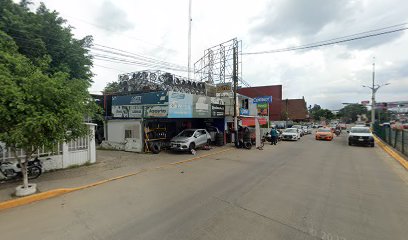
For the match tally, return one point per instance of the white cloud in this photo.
(326, 76)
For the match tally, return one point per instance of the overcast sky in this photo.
(327, 76)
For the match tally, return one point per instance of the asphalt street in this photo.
(296, 190)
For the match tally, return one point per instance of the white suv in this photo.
(360, 136)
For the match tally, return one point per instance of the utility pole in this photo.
(374, 88)
(235, 79)
(189, 39)
(373, 98)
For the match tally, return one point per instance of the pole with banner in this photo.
(267, 119)
(264, 100)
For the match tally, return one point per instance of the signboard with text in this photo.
(262, 109)
(243, 111)
(266, 99)
(201, 106)
(156, 111)
(139, 99)
(127, 111)
(217, 110)
(180, 105)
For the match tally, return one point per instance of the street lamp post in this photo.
(374, 88)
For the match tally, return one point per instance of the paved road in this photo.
(296, 190)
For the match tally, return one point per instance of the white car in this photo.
(360, 136)
(292, 134)
(307, 130)
(300, 129)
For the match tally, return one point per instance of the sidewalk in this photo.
(108, 164)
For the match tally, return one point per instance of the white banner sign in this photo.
(127, 111)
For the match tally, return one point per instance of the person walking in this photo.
(274, 136)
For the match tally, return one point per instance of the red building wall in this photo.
(275, 108)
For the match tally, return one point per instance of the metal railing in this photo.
(396, 138)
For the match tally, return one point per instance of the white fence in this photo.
(63, 155)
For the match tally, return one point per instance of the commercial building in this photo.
(138, 119)
(294, 110)
(275, 108)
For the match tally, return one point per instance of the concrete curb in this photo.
(392, 152)
(60, 191)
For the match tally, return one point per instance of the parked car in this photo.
(291, 134)
(307, 130)
(360, 136)
(324, 134)
(300, 129)
(190, 139)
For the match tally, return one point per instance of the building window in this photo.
(128, 133)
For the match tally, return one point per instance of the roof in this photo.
(296, 108)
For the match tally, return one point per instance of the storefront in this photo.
(159, 116)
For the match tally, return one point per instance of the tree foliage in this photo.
(323, 114)
(313, 110)
(350, 112)
(112, 87)
(44, 78)
(46, 40)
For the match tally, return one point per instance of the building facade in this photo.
(275, 108)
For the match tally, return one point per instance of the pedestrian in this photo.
(274, 136)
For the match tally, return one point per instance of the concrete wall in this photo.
(116, 129)
(116, 134)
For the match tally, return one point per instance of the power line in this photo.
(142, 60)
(115, 69)
(125, 35)
(134, 63)
(136, 56)
(325, 43)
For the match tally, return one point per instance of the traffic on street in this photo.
(295, 190)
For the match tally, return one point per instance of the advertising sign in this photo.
(243, 111)
(201, 106)
(217, 110)
(250, 121)
(180, 105)
(267, 99)
(224, 87)
(156, 111)
(217, 100)
(127, 111)
(262, 109)
(365, 103)
(155, 98)
(138, 99)
(127, 100)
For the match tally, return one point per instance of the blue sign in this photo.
(243, 111)
(267, 99)
(180, 105)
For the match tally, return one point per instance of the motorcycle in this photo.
(12, 170)
(337, 132)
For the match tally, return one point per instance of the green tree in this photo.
(37, 109)
(44, 38)
(323, 114)
(112, 87)
(350, 112)
(313, 110)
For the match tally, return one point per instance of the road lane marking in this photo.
(60, 191)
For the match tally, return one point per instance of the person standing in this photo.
(274, 136)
